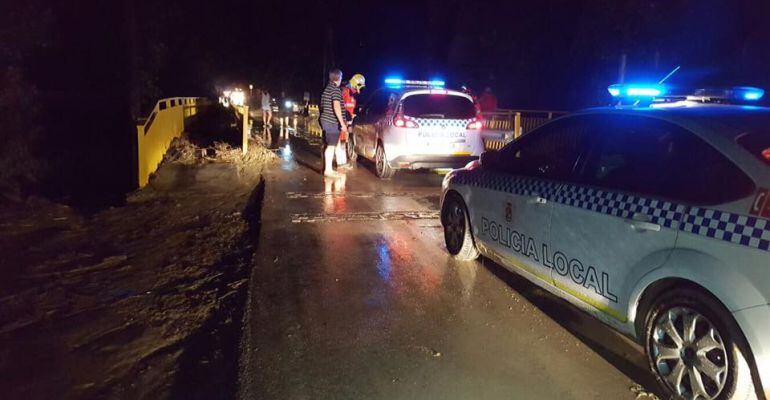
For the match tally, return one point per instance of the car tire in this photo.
(381, 166)
(350, 149)
(692, 339)
(458, 237)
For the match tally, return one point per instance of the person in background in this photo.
(267, 113)
(349, 92)
(488, 101)
(332, 121)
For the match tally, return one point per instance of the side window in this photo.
(656, 158)
(551, 151)
(377, 105)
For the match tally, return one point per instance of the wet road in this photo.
(353, 296)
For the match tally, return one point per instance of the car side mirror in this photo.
(490, 159)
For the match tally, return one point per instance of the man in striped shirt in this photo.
(332, 121)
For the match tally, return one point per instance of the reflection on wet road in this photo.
(353, 296)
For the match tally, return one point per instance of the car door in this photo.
(512, 215)
(617, 216)
(365, 131)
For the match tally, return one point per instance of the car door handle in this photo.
(641, 223)
(537, 200)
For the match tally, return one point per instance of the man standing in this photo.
(332, 121)
(267, 113)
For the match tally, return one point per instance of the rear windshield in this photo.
(757, 144)
(439, 106)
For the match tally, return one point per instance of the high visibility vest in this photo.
(348, 101)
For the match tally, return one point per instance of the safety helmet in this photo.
(357, 82)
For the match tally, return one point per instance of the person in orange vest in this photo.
(349, 92)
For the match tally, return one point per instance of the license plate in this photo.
(442, 134)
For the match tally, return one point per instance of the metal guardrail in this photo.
(510, 123)
(514, 123)
(155, 133)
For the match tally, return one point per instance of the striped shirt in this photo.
(329, 95)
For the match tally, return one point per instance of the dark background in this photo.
(75, 74)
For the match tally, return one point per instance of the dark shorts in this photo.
(331, 133)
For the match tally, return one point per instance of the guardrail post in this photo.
(245, 138)
(517, 125)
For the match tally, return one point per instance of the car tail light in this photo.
(766, 154)
(405, 122)
(475, 123)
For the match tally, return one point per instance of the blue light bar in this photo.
(636, 90)
(751, 93)
(398, 82)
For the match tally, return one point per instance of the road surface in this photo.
(353, 296)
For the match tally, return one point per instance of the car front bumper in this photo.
(431, 161)
(755, 324)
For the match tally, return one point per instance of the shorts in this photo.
(331, 133)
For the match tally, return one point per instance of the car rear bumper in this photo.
(755, 324)
(430, 161)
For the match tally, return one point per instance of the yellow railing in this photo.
(242, 112)
(514, 123)
(312, 127)
(155, 133)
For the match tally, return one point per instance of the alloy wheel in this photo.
(689, 354)
(454, 227)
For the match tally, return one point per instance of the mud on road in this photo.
(138, 301)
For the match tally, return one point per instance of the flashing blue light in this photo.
(643, 91)
(636, 90)
(753, 94)
(393, 82)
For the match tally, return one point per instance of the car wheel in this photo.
(381, 166)
(457, 229)
(350, 148)
(695, 349)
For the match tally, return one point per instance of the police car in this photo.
(417, 124)
(654, 219)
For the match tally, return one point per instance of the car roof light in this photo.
(665, 94)
(396, 83)
(750, 93)
(636, 90)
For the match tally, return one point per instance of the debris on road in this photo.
(122, 302)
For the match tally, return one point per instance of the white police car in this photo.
(656, 220)
(417, 124)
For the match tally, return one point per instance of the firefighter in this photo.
(349, 91)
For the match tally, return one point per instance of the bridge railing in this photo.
(502, 126)
(155, 133)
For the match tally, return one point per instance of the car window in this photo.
(758, 144)
(377, 104)
(438, 106)
(551, 151)
(659, 159)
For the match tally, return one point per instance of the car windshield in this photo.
(438, 106)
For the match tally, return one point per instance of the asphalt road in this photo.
(353, 296)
